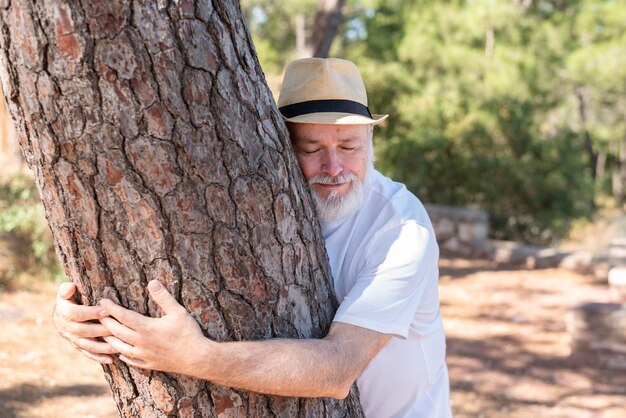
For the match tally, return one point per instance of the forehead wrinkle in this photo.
(320, 134)
(309, 140)
(349, 139)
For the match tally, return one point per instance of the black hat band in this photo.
(322, 106)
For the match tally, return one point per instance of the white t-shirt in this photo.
(384, 264)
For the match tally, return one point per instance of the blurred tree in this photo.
(283, 31)
(274, 29)
(328, 17)
(472, 88)
(275, 26)
(516, 107)
(597, 69)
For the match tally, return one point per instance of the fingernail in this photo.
(154, 286)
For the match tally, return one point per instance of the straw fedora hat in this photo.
(325, 90)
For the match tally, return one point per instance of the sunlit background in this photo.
(512, 108)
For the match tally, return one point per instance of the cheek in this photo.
(308, 166)
(358, 165)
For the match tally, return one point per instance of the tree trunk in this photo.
(587, 142)
(601, 165)
(617, 187)
(490, 39)
(159, 154)
(619, 177)
(327, 20)
(302, 48)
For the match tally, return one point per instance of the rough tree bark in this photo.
(159, 154)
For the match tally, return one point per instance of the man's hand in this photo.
(170, 343)
(75, 323)
(288, 367)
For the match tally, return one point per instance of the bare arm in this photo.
(287, 367)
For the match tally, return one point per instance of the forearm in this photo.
(175, 343)
(286, 367)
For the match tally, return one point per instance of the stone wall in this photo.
(459, 230)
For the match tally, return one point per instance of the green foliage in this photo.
(24, 230)
(272, 24)
(597, 66)
(484, 98)
(481, 125)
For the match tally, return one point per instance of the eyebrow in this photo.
(315, 141)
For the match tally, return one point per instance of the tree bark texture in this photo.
(159, 154)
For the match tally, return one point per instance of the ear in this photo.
(291, 129)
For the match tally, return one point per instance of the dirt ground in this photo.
(508, 350)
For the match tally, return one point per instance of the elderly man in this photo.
(387, 334)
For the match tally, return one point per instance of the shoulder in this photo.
(397, 221)
(391, 205)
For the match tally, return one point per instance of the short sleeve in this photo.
(399, 263)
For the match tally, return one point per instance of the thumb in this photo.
(67, 290)
(163, 298)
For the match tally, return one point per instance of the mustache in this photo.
(338, 179)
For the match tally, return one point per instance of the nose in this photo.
(332, 163)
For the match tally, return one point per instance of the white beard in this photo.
(336, 206)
